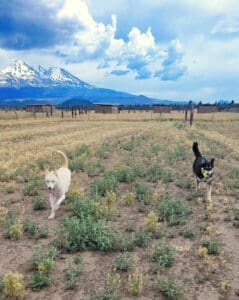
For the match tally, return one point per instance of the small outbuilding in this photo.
(159, 108)
(202, 109)
(40, 108)
(106, 108)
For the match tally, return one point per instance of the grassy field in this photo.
(132, 225)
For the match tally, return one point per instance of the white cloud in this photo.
(226, 25)
(140, 53)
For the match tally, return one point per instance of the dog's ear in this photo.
(212, 162)
(55, 173)
(46, 171)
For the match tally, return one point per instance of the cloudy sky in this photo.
(167, 49)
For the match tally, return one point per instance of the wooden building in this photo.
(40, 108)
(202, 109)
(159, 108)
(106, 108)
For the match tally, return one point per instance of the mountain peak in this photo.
(19, 74)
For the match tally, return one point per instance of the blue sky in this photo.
(167, 49)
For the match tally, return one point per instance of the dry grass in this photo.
(26, 139)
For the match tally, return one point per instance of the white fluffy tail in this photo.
(65, 159)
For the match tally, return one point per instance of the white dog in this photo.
(58, 183)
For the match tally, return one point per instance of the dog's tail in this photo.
(196, 150)
(65, 159)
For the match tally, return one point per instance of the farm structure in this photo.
(106, 108)
(157, 108)
(40, 108)
(232, 108)
(207, 109)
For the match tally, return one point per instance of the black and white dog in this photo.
(203, 170)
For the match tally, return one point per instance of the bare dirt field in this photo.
(132, 226)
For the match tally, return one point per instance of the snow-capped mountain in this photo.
(19, 74)
(21, 84)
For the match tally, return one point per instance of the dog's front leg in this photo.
(53, 207)
(209, 192)
(197, 184)
(58, 203)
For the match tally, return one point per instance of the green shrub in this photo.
(101, 186)
(83, 149)
(169, 288)
(188, 232)
(104, 151)
(94, 168)
(71, 276)
(39, 280)
(154, 173)
(42, 263)
(172, 211)
(163, 255)
(33, 183)
(213, 245)
(125, 174)
(143, 193)
(123, 262)
(76, 165)
(184, 183)
(13, 228)
(38, 204)
(129, 199)
(127, 146)
(32, 229)
(142, 237)
(234, 173)
(78, 234)
(3, 175)
(42, 163)
(82, 207)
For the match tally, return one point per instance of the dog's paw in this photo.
(51, 217)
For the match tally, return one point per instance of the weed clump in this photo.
(13, 285)
(174, 212)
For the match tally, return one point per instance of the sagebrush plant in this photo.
(123, 262)
(163, 255)
(109, 183)
(154, 173)
(169, 287)
(142, 237)
(143, 193)
(174, 212)
(16, 231)
(80, 233)
(3, 214)
(72, 274)
(94, 168)
(213, 245)
(125, 174)
(77, 165)
(33, 185)
(106, 207)
(127, 242)
(13, 285)
(135, 283)
(151, 222)
(188, 232)
(42, 263)
(129, 199)
(38, 203)
(32, 229)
